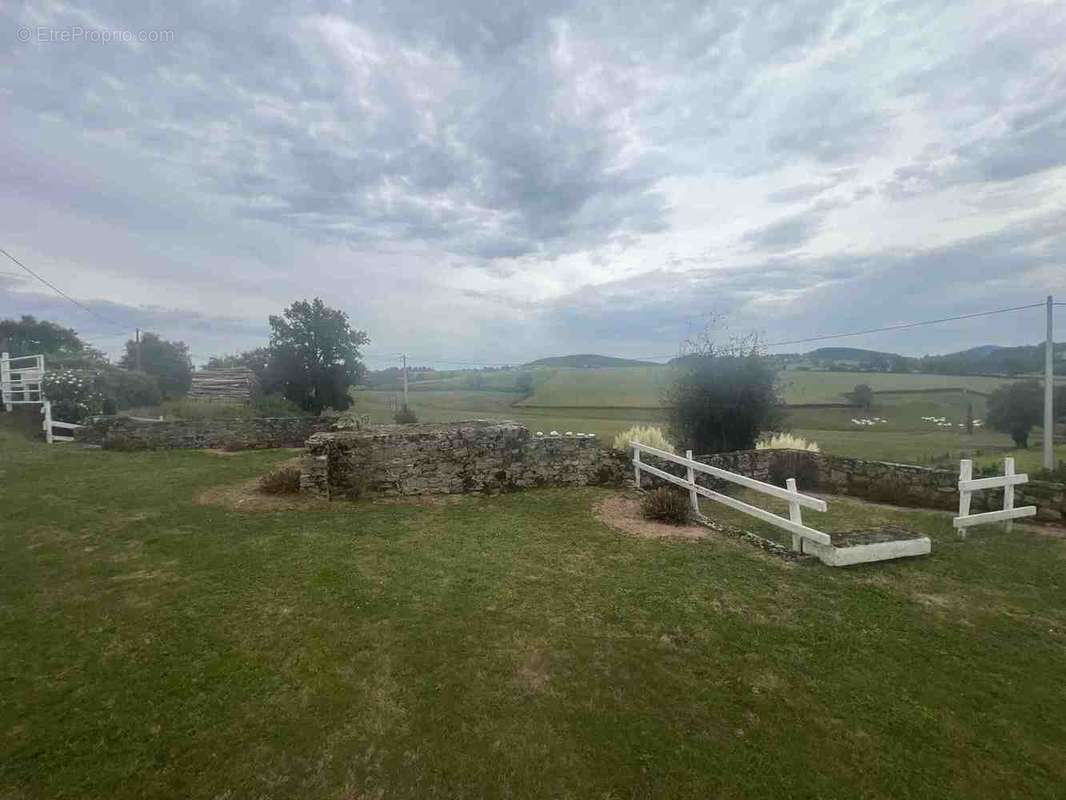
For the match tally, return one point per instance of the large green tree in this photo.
(314, 355)
(167, 362)
(1015, 408)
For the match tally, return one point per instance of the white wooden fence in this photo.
(20, 380)
(1007, 481)
(796, 501)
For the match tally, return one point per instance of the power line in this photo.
(905, 325)
(61, 293)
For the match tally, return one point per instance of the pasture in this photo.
(609, 400)
(158, 645)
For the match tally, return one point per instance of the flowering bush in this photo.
(73, 395)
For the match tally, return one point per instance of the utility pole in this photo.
(1049, 397)
(405, 380)
(137, 351)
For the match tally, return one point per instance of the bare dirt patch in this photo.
(245, 496)
(623, 514)
(533, 672)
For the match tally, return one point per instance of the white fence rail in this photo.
(1007, 481)
(20, 380)
(796, 501)
(50, 425)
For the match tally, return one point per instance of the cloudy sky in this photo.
(497, 181)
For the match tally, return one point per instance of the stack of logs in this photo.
(235, 384)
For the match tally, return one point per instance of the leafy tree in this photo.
(862, 396)
(523, 384)
(167, 361)
(723, 397)
(314, 355)
(1015, 408)
(29, 336)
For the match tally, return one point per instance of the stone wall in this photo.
(451, 458)
(124, 433)
(898, 484)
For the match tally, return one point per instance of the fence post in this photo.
(965, 474)
(46, 409)
(1008, 491)
(636, 465)
(5, 379)
(795, 513)
(693, 498)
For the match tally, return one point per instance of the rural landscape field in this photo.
(608, 400)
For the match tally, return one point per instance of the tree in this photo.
(167, 361)
(257, 360)
(29, 336)
(523, 384)
(314, 355)
(1015, 408)
(723, 397)
(862, 396)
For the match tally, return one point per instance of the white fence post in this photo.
(965, 474)
(1007, 482)
(636, 465)
(5, 379)
(46, 409)
(795, 514)
(693, 498)
(1008, 490)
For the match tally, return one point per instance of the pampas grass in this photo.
(786, 441)
(650, 435)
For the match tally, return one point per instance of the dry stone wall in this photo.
(452, 458)
(125, 433)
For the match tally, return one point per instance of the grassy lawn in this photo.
(508, 646)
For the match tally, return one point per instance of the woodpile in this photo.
(236, 384)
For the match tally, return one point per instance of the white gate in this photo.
(21, 384)
(1007, 481)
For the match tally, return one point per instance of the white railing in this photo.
(20, 380)
(50, 424)
(796, 501)
(1007, 481)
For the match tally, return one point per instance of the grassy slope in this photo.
(508, 646)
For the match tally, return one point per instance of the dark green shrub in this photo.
(666, 505)
(123, 389)
(405, 416)
(283, 480)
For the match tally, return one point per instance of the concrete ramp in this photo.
(865, 546)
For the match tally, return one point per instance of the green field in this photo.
(642, 387)
(513, 646)
(567, 400)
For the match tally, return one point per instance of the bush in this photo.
(283, 480)
(650, 435)
(666, 505)
(786, 441)
(275, 405)
(123, 389)
(862, 396)
(405, 416)
(73, 395)
(723, 398)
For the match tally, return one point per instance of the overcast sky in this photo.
(496, 181)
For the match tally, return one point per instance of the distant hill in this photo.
(848, 354)
(590, 361)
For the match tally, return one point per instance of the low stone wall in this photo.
(898, 484)
(452, 458)
(124, 433)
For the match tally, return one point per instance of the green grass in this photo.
(505, 646)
